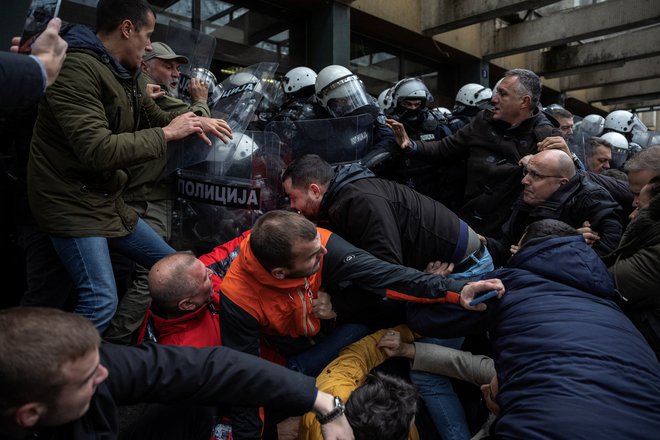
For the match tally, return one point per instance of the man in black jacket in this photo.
(554, 190)
(493, 144)
(62, 385)
(391, 221)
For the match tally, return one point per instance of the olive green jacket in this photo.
(148, 183)
(85, 137)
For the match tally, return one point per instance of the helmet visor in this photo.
(348, 96)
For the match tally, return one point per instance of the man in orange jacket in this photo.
(272, 290)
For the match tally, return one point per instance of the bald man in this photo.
(554, 189)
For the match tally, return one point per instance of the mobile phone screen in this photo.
(38, 16)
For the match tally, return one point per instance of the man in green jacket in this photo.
(86, 136)
(150, 193)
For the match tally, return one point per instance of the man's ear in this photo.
(126, 27)
(563, 181)
(526, 102)
(28, 414)
(316, 189)
(279, 273)
(185, 305)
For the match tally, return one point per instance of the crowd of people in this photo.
(355, 311)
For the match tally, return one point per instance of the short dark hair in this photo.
(308, 169)
(382, 408)
(273, 235)
(110, 14)
(559, 112)
(592, 143)
(528, 84)
(617, 174)
(546, 228)
(169, 280)
(35, 343)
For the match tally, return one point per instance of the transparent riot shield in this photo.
(198, 48)
(337, 140)
(221, 197)
(234, 103)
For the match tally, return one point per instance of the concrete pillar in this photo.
(330, 36)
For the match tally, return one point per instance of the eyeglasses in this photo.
(536, 176)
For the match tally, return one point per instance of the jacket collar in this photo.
(80, 37)
(344, 174)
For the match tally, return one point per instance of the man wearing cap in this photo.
(147, 193)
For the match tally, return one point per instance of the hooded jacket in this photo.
(393, 222)
(570, 364)
(86, 135)
(636, 272)
(492, 149)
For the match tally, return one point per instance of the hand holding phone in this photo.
(40, 13)
(484, 297)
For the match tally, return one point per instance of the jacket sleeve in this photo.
(75, 101)
(379, 233)
(446, 320)
(637, 278)
(452, 147)
(240, 331)
(215, 376)
(603, 214)
(343, 375)
(463, 365)
(344, 262)
(22, 80)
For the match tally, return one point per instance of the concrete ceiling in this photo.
(606, 51)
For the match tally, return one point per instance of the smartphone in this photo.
(38, 16)
(481, 298)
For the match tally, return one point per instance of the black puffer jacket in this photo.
(578, 201)
(493, 149)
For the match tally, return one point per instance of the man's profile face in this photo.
(566, 127)
(599, 161)
(164, 72)
(306, 257)
(540, 181)
(80, 377)
(138, 43)
(507, 104)
(201, 276)
(303, 200)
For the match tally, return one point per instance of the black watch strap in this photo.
(337, 411)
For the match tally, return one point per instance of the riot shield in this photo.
(197, 47)
(337, 140)
(236, 104)
(220, 198)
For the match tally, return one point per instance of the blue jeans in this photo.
(313, 360)
(440, 399)
(481, 267)
(87, 259)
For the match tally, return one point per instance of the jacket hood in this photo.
(567, 260)
(344, 174)
(83, 37)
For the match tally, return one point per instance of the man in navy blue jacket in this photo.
(569, 363)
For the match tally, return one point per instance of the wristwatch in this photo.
(337, 411)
